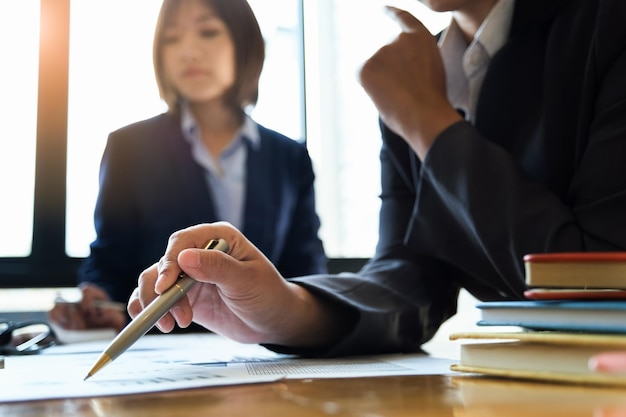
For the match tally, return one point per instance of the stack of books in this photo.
(576, 308)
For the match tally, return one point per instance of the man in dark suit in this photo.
(537, 164)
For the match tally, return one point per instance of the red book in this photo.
(583, 270)
(575, 294)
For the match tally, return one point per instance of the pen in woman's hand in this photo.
(145, 320)
(102, 304)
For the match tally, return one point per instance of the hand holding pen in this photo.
(241, 295)
(238, 294)
(146, 320)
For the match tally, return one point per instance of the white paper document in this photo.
(172, 362)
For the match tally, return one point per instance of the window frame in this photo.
(47, 264)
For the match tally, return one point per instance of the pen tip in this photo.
(104, 359)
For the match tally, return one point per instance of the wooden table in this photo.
(435, 395)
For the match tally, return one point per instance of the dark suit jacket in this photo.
(150, 186)
(543, 169)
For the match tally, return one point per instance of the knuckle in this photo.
(165, 265)
(174, 237)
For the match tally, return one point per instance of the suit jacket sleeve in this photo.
(111, 264)
(544, 169)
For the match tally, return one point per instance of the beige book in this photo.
(543, 356)
(576, 270)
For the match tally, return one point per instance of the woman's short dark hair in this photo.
(249, 51)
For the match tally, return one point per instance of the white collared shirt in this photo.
(226, 178)
(466, 65)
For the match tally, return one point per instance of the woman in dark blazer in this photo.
(203, 161)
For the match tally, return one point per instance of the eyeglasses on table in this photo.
(25, 337)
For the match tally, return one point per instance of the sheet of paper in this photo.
(172, 362)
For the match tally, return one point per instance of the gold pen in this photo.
(102, 304)
(146, 320)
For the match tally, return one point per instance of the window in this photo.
(308, 90)
(342, 124)
(19, 47)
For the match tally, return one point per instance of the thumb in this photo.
(407, 22)
(205, 265)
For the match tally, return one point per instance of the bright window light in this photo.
(19, 47)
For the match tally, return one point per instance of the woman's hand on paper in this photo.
(88, 313)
